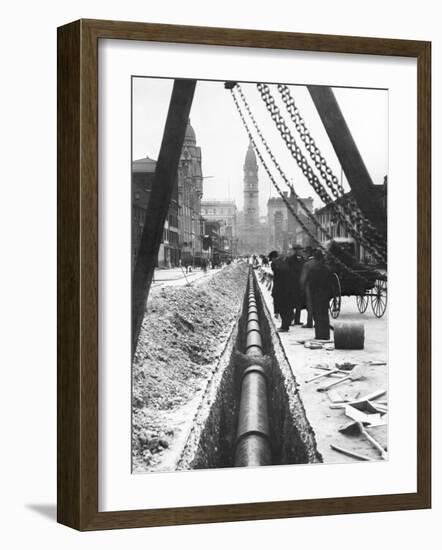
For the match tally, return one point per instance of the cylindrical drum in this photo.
(349, 335)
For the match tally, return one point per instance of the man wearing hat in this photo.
(295, 262)
(316, 279)
(276, 266)
(305, 290)
(286, 288)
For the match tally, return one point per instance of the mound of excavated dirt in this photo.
(184, 330)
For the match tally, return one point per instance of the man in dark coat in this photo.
(274, 257)
(295, 262)
(284, 289)
(305, 291)
(316, 279)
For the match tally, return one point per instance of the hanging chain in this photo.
(349, 204)
(278, 166)
(307, 170)
(309, 142)
(289, 206)
(311, 176)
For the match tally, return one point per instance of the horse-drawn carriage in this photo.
(367, 283)
(363, 281)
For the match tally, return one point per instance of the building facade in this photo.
(183, 229)
(336, 229)
(225, 213)
(284, 230)
(190, 192)
(143, 172)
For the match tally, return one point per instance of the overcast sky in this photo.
(223, 139)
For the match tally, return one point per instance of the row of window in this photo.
(170, 237)
(217, 211)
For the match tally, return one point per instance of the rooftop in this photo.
(250, 162)
(145, 165)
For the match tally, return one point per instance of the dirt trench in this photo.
(211, 442)
(183, 335)
(187, 379)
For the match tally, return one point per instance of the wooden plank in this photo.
(78, 264)
(68, 275)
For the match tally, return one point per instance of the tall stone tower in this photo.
(251, 192)
(190, 191)
(250, 230)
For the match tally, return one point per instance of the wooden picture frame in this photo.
(78, 274)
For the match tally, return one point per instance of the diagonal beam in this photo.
(160, 196)
(349, 156)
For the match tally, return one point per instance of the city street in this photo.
(268, 217)
(325, 420)
(177, 276)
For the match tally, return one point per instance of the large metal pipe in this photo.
(254, 340)
(253, 443)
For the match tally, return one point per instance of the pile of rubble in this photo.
(182, 335)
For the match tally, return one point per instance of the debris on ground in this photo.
(356, 373)
(182, 335)
(355, 429)
(325, 410)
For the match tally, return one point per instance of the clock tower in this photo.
(251, 193)
(251, 237)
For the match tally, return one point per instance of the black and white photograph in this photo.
(217, 275)
(259, 221)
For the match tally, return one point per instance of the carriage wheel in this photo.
(362, 303)
(379, 297)
(335, 301)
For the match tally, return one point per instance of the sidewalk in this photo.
(177, 276)
(324, 420)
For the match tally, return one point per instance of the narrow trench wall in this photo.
(293, 439)
(212, 439)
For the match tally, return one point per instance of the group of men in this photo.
(302, 280)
